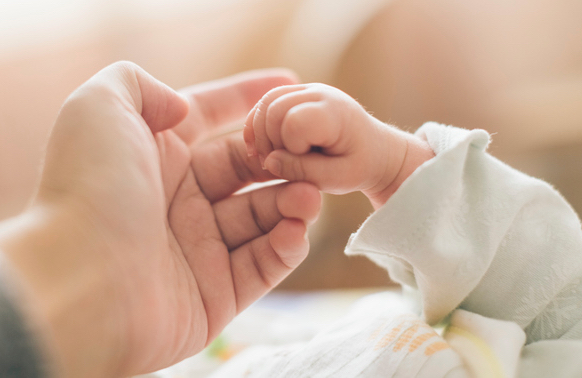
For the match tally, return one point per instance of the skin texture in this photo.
(136, 252)
(319, 134)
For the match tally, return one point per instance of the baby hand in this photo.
(319, 134)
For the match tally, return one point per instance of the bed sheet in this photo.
(279, 318)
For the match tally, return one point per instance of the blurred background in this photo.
(512, 67)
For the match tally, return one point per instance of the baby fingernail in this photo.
(262, 160)
(250, 150)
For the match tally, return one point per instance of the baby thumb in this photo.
(309, 167)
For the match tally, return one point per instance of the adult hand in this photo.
(136, 251)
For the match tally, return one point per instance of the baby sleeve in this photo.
(469, 232)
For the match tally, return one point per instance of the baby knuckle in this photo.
(272, 116)
(260, 109)
(320, 87)
(296, 120)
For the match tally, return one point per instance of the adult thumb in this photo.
(159, 105)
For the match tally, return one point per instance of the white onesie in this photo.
(490, 252)
(469, 232)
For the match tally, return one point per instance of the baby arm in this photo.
(319, 134)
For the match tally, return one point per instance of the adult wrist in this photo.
(20, 350)
(62, 290)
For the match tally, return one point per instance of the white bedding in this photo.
(277, 320)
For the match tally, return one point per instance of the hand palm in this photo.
(185, 254)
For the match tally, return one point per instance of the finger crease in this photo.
(257, 265)
(256, 218)
(240, 169)
(171, 202)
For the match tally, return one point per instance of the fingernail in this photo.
(250, 150)
(275, 167)
(262, 160)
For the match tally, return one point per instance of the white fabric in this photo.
(498, 252)
(379, 337)
(382, 337)
(470, 232)
(489, 348)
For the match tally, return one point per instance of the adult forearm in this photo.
(19, 350)
(62, 292)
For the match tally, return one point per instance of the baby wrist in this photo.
(414, 153)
